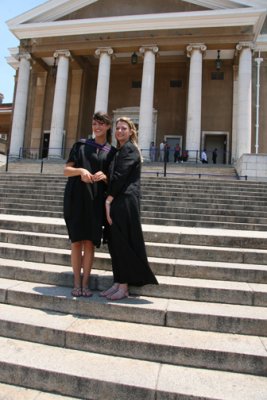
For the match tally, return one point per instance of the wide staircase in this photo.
(200, 334)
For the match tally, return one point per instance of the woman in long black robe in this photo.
(126, 242)
(84, 197)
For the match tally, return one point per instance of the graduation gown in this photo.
(84, 210)
(126, 241)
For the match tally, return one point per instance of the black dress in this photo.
(126, 241)
(84, 211)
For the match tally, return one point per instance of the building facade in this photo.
(189, 72)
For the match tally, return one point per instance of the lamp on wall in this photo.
(134, 58)
(218, 61)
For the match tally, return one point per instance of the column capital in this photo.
(195, 46)
(242, 45)
(151, 47)
(23, 55)
(64, 53)
(101, 50)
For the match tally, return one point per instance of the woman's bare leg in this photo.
(88, 257)
(76, 262)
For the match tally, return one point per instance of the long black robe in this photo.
(84, 211)
(126, 241)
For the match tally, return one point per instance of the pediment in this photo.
(55, 10)
(76, 17)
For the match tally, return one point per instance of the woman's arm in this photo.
(71, 170)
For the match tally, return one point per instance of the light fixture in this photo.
(134, 58)
(218, 61)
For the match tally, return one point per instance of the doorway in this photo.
(216, 140)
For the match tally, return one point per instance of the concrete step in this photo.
(185, 314)
(182, 288)
(194, 223)
(184, 347)
(112, 378)
(160, 218)
(56, 204)
(27, 242)
(161, 234)
(13, 392)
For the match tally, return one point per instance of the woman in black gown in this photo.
(84, 209)
(126, 243)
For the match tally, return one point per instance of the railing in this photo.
(152, 157)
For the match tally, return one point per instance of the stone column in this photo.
(146, 134)
(20, 108)
(59, 104)
(193, 124)
(235, 113)
(102, 90)
(243, 139)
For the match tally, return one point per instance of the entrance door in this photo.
(216, 140)
(45, 146)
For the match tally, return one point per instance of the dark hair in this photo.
(106, 119)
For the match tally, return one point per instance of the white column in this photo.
(20, 108)
(193, 123)
(243, 144)
(146, 134)
(59, 104)
(258, 61)
(102, 90)
(234, 113)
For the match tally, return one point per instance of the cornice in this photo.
(147, 22)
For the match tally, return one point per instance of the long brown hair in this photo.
(106, 119)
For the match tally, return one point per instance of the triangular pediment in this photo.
(76, 17)
(54, 10)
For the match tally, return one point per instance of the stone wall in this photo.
(254, 166)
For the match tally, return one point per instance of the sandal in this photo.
(119, 294)
(109, 291)
(86, 292)
(76, 292)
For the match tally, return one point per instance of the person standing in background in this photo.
(214, 156)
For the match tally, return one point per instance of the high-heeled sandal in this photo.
(119, 294)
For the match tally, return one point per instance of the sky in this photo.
(10, 9)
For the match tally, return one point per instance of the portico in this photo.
(174, 76)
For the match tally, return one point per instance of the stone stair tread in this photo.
(117, 377)
(140, 309)
(151, 244)
(12, 392)
(170, 287)
(138, 341)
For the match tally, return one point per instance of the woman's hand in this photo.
(86, 176)
(99, 176)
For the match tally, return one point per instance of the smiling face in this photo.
(100, 130)
(123, 132)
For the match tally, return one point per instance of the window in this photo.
(176, 83)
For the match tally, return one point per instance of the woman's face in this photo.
(99, 129)
(123, 132)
